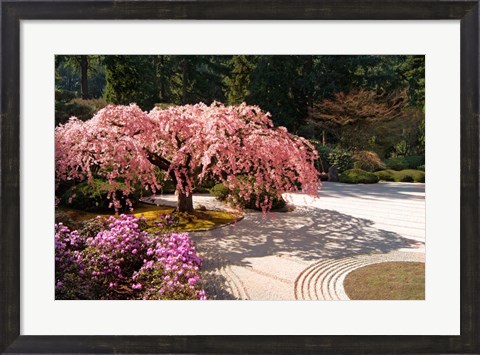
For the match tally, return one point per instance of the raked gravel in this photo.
(306, 254)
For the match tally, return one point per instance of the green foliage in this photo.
(368, 161)
(386, 175)
(204, 187)
(66, 107)
(93, 197)
(68, 75)
(406, 178)
(238, 82)
(288, 86)
(407, 175)
(411, 175)
(414, 161)
(412, 68)
(421, 167)
(323, 163)
(130, 79)
(401, 163)
(222, 193)
(358, 176)
(340, 158)
(280, 85)
(398, 163)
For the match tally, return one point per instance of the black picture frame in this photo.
(12, 12)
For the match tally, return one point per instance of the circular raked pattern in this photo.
(324, 279)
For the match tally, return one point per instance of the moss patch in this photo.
(197, 220)
(387, 281)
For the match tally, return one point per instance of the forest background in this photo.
(345, 105)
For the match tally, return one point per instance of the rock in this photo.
(333, 174)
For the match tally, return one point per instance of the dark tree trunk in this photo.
(184, 202)
(84, 75)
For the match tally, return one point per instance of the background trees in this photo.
(298, 91)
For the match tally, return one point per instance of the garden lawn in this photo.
(387, 281)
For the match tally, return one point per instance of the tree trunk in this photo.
(84, 75)
(184, 202)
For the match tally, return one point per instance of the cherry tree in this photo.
(191, 144)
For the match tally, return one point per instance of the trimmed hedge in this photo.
(407, 175)
(358, 176)
(402, 163)
(399, 163)
(222, 193)
(386, 175)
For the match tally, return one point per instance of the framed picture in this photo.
(41, 318)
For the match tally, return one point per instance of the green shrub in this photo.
(414, 161)
(85, 109)
(64, 95)
(223, 193)
(340, 158)
(402, 163)
(204, 186)
(66, 107)
(358, 176)
(411, 175)
(407, 175)
(368, 161)
(323, 159)
(220, 191)
(385, 175)
(398, 163)
(421, 167)
(93, 197)
(406, 178)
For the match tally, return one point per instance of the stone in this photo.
(333, 174)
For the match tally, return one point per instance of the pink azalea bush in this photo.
(124, 262)
(191, 143)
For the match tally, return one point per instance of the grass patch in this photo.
(387, 281)
(407, 175)
(197, 220)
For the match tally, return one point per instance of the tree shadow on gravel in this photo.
(306, 233)
(215, 285)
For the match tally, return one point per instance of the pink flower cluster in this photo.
(175, 256)
(67, 249)
(123, 262)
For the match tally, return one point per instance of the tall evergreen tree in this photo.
(280, 85)
(131, 78)
(238, 80)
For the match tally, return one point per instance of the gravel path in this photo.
(306, 254)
